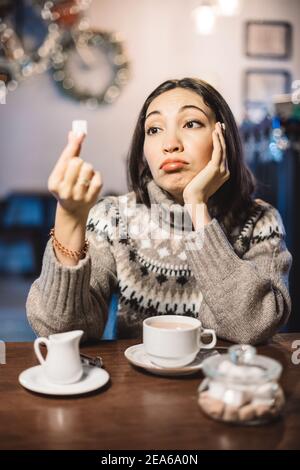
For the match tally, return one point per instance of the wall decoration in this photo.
(262, 84)
(87, 65)
(92, 68)
(268, 39)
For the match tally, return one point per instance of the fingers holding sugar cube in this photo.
(79, 127)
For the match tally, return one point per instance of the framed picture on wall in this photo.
(268, 39)
(261, 85)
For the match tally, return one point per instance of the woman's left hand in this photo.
(213, 175)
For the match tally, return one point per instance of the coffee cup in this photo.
(62, 364)
(173, 341)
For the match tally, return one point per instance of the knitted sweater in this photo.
(235, 284)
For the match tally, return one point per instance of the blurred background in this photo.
(98, 60)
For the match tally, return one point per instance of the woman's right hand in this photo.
(73, 182)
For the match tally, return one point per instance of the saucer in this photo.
(137, 356)
(93, 377)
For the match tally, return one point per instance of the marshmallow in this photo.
(262, 407)
(263, 401)
(279, 399)
(216, 390)
(266, 391)
(230, 413)
(210, 405)
(79, 127)
(235, 398)
(247, 412)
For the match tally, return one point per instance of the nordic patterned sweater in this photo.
(237, 285)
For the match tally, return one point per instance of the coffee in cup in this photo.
(173, 341)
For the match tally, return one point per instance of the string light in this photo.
(279, 141)
(205, 14)
(204, 18)
(228, 7)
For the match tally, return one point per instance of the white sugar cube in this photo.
(216, 390)
(79, 127)
(235, 397)
(263, 401)
(266, 391)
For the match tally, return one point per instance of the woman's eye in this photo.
(150, 130)
(189, 124)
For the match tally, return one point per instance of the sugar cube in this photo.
(216, 390)
(266, 391)
(79, 126)
(235, 397)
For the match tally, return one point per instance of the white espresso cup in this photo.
(62, 364)
(174, 340)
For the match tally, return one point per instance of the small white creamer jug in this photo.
(62, 364)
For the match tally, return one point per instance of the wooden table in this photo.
(136, 410)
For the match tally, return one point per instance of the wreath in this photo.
(81, 44)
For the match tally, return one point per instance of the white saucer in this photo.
(137, 356)
(93, 377)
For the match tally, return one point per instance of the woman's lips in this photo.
(172, 166)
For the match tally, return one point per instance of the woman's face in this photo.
(178, 139)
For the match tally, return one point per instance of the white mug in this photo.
(174, 340)
(62, 364)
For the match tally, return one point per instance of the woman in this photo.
(208, 249)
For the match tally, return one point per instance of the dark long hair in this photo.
(234, 199)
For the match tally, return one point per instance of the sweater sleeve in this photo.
(66, 298)
(245, 299)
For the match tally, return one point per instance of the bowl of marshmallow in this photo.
(241, 387)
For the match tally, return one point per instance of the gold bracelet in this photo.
(71, 254)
